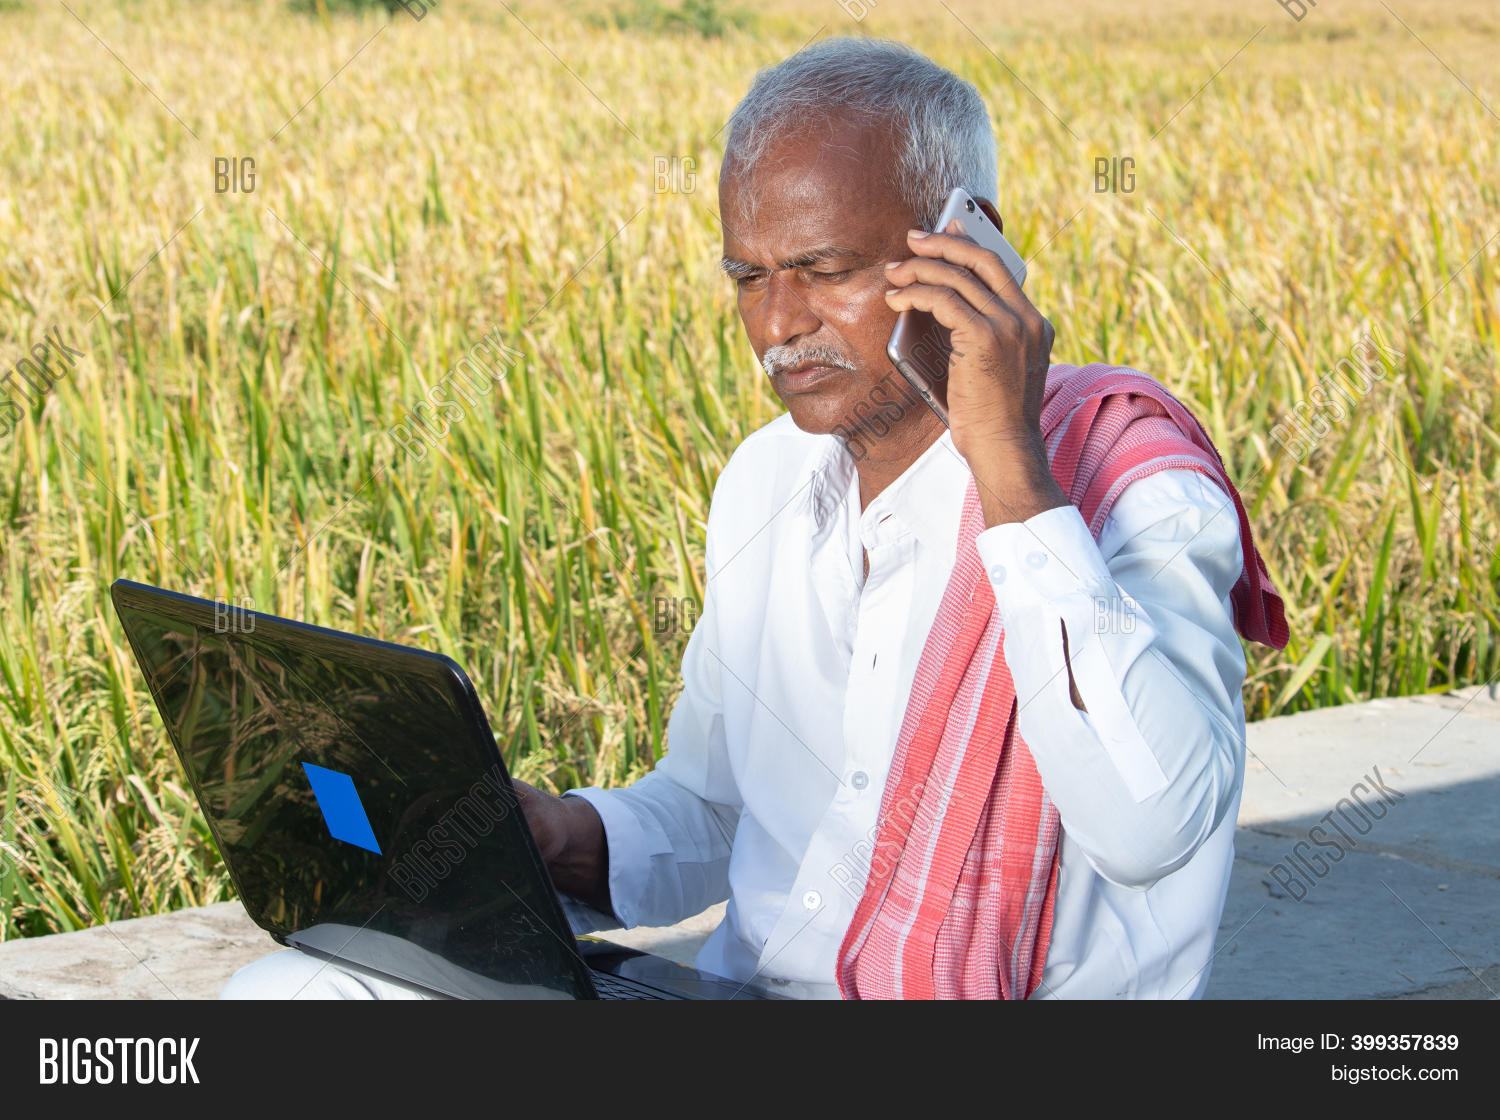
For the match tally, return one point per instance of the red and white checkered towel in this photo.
(958, 902)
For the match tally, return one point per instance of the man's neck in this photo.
(885, 460)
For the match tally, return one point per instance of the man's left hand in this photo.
(997, 374)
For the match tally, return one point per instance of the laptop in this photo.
(363, 811)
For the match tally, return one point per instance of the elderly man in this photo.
(962, 714)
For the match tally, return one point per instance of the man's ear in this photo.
(989, 208)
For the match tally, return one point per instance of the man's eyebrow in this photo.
(735, 268)
(818, 255)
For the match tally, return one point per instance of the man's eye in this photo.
(834, 277)
(748, 279)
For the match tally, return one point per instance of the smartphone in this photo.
(919, 346)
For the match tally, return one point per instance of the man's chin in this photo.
(816, 413)
(823, 407)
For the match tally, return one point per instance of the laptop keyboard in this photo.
(610, 987)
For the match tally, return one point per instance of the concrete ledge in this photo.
(1400, 900)
(1401, 905)
(186, 955)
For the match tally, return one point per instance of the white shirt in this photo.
(796, 678)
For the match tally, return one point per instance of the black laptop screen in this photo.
(350, 788)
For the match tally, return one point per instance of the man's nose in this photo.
(787, 315)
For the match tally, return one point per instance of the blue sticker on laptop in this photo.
(342, 809)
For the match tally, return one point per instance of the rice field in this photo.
(241, 244)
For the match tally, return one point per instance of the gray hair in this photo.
(942, 132)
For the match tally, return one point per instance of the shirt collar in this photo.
(925, 500)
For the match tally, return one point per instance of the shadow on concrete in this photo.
(1409, 909)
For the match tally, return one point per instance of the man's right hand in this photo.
(570, 837)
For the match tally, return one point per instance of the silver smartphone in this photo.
(919, 346)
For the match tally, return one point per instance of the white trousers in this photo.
(293, 974)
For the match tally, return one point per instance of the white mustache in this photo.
(781, 357)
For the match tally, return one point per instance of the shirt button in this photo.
(1036, 559)
(859, 779)
(997, 573)
(812, 900)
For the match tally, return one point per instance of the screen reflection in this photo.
(456, 883)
